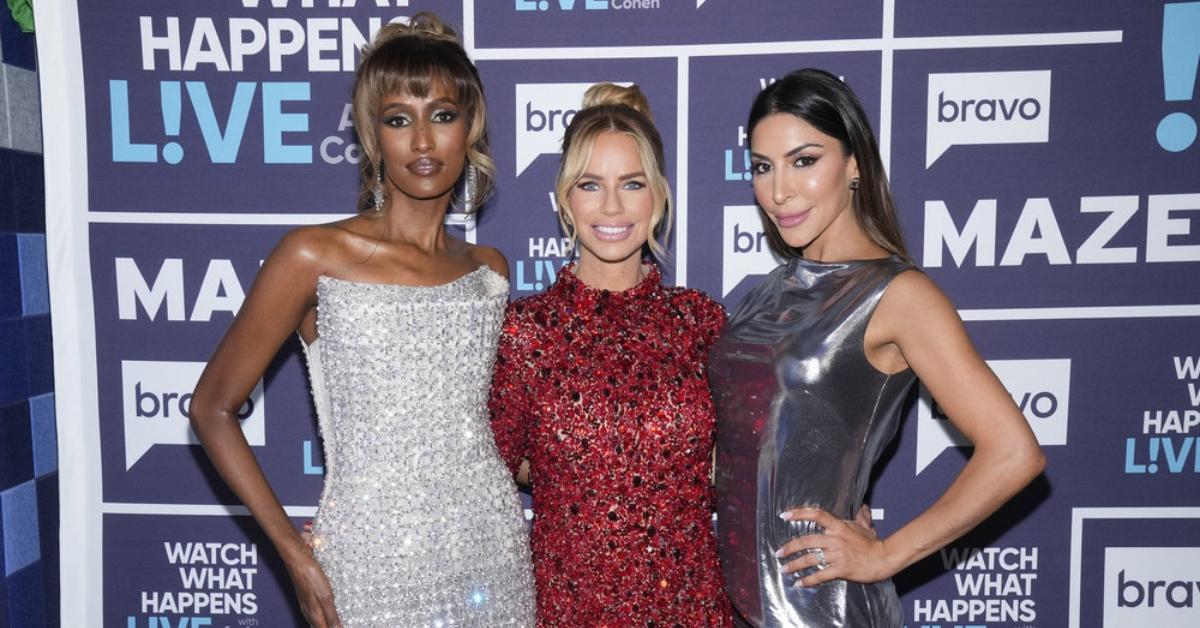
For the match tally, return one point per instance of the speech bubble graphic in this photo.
(1040, 388)
(156, 399)
(744, 247)
(1151, 586)
(543, 112)
(972, 108)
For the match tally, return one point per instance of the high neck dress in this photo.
(419, 522)
(802, 418)
(605, 393)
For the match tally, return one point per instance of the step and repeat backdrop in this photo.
(1044, 157)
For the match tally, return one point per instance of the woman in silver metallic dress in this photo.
(419, 523)
(811, 373)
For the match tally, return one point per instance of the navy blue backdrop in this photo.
(1044, 158)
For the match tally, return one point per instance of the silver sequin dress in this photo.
(419, 522)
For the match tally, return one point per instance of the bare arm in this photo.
(923, 325)
(283, 295)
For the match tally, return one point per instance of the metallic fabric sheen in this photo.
(801, 418)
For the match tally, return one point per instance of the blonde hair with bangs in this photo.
(609, 108)
(411, 58)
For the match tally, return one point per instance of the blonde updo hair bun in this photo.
(613, 94)
(412, 58)
(610, 108)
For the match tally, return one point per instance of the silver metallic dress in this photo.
(419, 522)
(801, 418)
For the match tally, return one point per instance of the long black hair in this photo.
(824, 101)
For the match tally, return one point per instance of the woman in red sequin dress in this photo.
(600, 386)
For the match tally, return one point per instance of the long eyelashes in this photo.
(441, 116)
(396, 121)
(761, 167)
(593, 186)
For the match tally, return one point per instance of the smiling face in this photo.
(611, 204)
(424, 144)
(802, 180)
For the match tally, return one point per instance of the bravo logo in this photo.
(1151, 586)
(986, 108)
(543, 112)
(157, 400)
(745, 245)
(1040, 388)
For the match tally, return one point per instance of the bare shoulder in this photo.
(914, 303)
(303, 246)
(328, 245)
(911, 292)
(306, 246)
(490, 256)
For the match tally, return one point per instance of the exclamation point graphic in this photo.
(1180, 54)
(1153, 466)
(172, 103)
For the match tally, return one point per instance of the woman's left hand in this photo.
(850, 550)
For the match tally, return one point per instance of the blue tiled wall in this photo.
(28, 442)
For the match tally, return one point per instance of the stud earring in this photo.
(854, 184)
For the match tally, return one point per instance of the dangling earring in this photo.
(377, 191)
(469, 182)
(854, 184)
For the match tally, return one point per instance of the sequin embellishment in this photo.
(419, 522)
(606, 394)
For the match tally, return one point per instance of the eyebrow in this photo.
(791, 153)
(624, 177)
(439, 102)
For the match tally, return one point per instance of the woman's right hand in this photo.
(313, 591)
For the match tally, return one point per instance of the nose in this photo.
(781, 189)
(612, 202)
(422, 138)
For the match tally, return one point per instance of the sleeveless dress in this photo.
(801, 418)
(419, 522)
(605, 393)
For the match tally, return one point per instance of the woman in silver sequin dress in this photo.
(419, 523)
(811, 373)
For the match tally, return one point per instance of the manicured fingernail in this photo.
(779, 553)
(785, 515)
(799, 584)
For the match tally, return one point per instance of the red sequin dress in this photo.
(607, 396)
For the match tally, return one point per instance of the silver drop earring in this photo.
(377, 191)
(468, 196)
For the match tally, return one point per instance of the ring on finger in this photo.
(821, 562)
